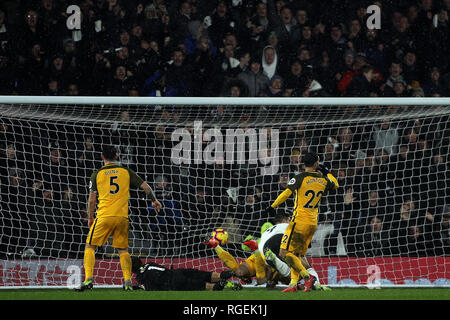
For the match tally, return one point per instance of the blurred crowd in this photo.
(242, 48)
(393, 198)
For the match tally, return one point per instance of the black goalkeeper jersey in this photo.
(154, 276)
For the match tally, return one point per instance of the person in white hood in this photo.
(269, 61)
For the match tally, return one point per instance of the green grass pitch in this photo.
(245, 294)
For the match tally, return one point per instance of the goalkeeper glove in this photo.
(323, 169)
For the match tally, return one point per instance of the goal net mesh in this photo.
(221, 166)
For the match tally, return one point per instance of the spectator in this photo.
(346, 146)
(411, 71)
(270, 63)
(73, 224)
(445, 231)
(235, 88)
(295, 163)
(295, 84)
(259, 27)
(345, 79)
(119, 85)
(308, 40)
(251, 216)
(224, 68)
(254, 78)
(244, 61)
(336, 44)
(55, 171)
(373, 47)
(361, 85)
(221, 23)
(14, 191)
(275, 87)
(287, 31)
(178, 76)
(386, 137)
(46, 228)
(402, 228)
(72, 90)
(375, 240)
(395, 73)
(433, 83)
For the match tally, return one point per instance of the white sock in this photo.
(282, 267)
(313, 272)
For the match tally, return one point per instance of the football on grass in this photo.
(220, 235)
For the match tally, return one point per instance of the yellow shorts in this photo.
(297, 237)
(104, 227)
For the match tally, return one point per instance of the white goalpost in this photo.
(219, 163)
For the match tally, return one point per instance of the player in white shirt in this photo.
(269, 245)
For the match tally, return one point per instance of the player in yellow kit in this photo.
(309, 188)
(111, 184)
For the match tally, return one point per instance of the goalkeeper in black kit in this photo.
(155, 277)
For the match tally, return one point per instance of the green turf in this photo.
(245, 294)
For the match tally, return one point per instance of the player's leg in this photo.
(226, 258)
(97, 236)
(294, 241)
(120, 242)
(281, 266)
(126, 265)
(308, 231)
(313, 272)
(260, 267)
(258, 260)
(294, 244)
(89, 263)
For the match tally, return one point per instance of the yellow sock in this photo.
(125, 263)
(89, 262)
(294, 262)
(260, 265)
(226, 258)
(294, 276)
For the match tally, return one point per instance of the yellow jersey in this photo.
(112, 184)
(309, 187)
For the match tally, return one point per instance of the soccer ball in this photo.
(220, 235)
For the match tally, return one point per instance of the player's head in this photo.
(136, 264)
(265, 226)
(280, 218)
(109, 153)
(310, 160)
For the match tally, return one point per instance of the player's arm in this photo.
(333, 184)
(138, 182)
(293, 185)
(151, 195)
(92, 201)
(281, 198)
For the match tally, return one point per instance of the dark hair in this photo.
(136, 264)
(366, 69)
(109, 152)
(280, 217)
(309, 159)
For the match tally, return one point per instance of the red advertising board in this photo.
(434, 271)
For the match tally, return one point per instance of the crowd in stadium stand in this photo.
(240, 48)
(394, 175)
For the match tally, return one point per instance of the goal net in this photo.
(219, 163)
